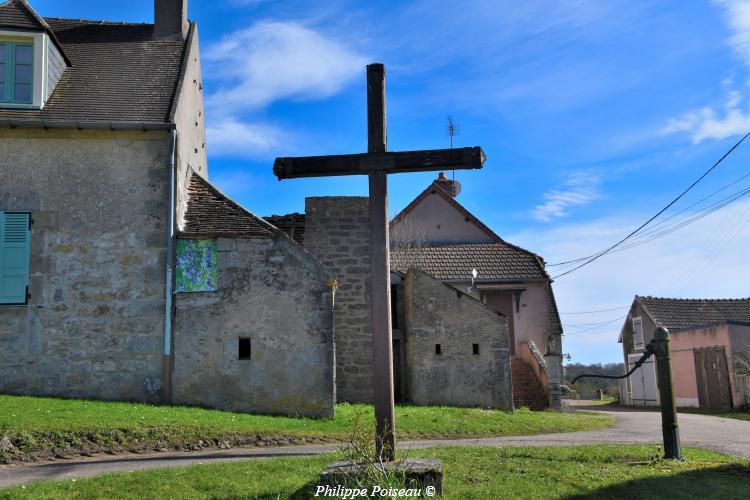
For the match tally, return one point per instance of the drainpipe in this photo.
(167, 375)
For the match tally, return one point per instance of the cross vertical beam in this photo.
(377, 163)
(380, 269)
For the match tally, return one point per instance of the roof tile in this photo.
(119, 73)
(686, 313)
(292, 224)
(493, 261)
(210, 213)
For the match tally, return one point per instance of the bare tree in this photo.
(408, 239)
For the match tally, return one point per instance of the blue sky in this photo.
(593, 115)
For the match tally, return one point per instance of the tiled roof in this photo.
(210, 214)
(292, 224)
(119, 73)
(685, 313)
(493, 261)
(16, 14)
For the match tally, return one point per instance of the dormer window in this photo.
(16, 72)
(32, 59)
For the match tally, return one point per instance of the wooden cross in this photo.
(377, 163)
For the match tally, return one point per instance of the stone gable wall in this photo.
(337, 233)
(437, 313)
(277, 295)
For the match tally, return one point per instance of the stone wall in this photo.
(337, 233)
(438, 314)
(274, 293)
(95, 321)
(190, 122)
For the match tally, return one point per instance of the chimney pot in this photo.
(170, 19)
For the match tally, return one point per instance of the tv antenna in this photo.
(453, 130)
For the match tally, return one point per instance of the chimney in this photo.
(451, 187)
(170, 19)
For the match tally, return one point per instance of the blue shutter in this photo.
(15, 252)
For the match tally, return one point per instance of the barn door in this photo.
(643, 389)
(712, 378)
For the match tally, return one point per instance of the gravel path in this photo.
(724, 435)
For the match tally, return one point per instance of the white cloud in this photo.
(707, 123)
(275, 60)
(581, 188)
(738, 15)
(707, 259)
(233, 138)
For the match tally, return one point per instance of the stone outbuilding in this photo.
(439, 237)
(124, 274)
(457, 349)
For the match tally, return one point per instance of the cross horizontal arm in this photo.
(389, 162)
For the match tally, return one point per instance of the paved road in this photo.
(725, 435)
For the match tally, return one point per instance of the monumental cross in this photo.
(377, 163)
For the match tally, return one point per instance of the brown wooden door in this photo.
(712, 378)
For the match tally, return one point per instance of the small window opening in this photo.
(438, 349)
(244, 350)
(475, 348)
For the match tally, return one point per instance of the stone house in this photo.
(124, 274)
(710, 342)
(437, 236)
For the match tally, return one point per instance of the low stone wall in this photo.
(274, 295)
(471, 366)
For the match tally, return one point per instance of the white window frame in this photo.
(40, 41)
(637, 325)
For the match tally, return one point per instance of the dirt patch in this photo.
(25, 447)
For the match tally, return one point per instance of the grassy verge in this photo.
(607, 401)
(576, 472)
(739, 415)
(40, 428)
(726, 414)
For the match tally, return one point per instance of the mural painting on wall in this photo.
(197, 269)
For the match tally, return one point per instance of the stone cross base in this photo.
(423, 474)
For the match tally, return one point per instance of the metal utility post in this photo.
(659, 348)
(659, 345)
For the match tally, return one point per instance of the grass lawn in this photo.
(577, 472)
(727, 414)
(736, 414)
(45, 427)
(607, 401)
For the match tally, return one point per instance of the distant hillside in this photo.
(587, 387)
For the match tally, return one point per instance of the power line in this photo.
(599, 311)
(596, 326)
(661, 229)
(723, 236)
(657, 228)
(669, 205)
